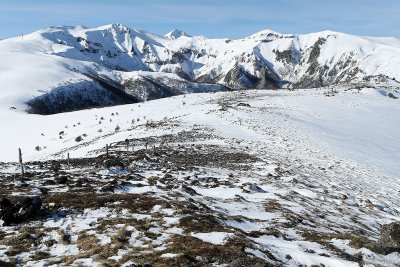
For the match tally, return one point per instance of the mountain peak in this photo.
(325, 33)
(176, 33)
(115, 26)
(264, 33)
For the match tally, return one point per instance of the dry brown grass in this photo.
(122, 236)
(90, 248)
(87, 242)
(272, 205)
(189, 248)
(324, 238)
(198, 222)
(23, 241)
(2, 234)
(83, 200)
(40, 255)
(65, 238)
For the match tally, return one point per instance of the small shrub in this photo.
(78, 139)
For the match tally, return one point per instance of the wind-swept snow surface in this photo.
(359, 124)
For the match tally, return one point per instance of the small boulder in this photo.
(62, 179)
(256, 188)
(390, 95)
(189, 190)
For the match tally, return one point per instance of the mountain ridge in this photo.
(125, 56)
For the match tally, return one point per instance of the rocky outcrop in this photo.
(239, 78)
(150, 87)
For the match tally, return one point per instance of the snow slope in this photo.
(326, 163)
(361, 126)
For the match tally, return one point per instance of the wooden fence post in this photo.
(106, 150)
(20, 161)
(68, 161)
(127, 145)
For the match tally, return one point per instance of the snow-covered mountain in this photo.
(176, 33)
(68, 68)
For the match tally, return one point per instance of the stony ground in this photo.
(199, 197)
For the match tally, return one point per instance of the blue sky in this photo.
(212, 18)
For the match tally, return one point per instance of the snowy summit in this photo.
(175, 34)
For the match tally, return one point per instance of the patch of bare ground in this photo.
(197, 222)
(22, 241)
(194, 252)
(324, 240)
(90, 248)
(80, 201)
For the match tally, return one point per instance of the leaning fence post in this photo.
(20, 162)
(68, 161)
(106, 150)
(127, 145)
